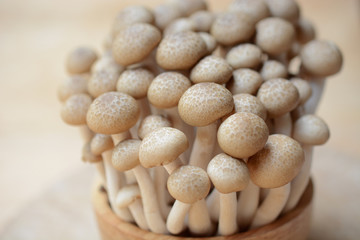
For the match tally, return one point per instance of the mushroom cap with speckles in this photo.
(274, 35)
(228, 174)
(88, 156)
(303, 88)
(127, 195)
(72, 85)
(131, 15)
(125, 155)
(80, 60)
(242, 134)
(135, 82)
(211, 69)
(75, 108)
(179, 25)
(244, 56)
(101, 143)
(202, 20)
(245, 81)
(311, 130)
(180, 50)
(279, 96)
(165, 14)
(167, 88)
(134, 43)
(204, 103)
(162, 146)
(321, 58)
(209, 40)
(273, 69)
(248, 103)
(286, 9)
(232, 27)
(277, 163)
(256, 9)
(103, 80)
(112, 113)
(188, 184)
(152, 123)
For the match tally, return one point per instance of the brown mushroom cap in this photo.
(179, 25)
(134, 43)
(228, 174)
(303, 88)
(125, 155)
(152, 123)
(162, 146)
(72, 85)
(75, 108)
(209, 40)
(256, 9)
(321, 58)
(232, 27)
(131, 15)
(167, 88)
(202, 20)
(211, 69)
(279, 96)
(135, 82)
(188, 184)
(88, 156)
(274, 35)
(113, 113)
(188, 7)
(180, 50)
(245, 81)
(244, 56)
(127, 195)
(273, 69)
(305, 31)
(242, 134)
(165, 14)
(311, 130)
(277, 163)
(204, 103)
(101, 143)
(286, 9)
(248, 103)
(80, 60)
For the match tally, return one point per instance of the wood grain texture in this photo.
(293, 226)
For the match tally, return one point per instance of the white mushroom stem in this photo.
(213, 204)
(114, 181)
(204, 143)
(160, 179)
(298, 185)
(85, 133)
(247, 205)
(176, 219)
(283, 124)
(100, 169)
(227, 219)
(199, 219)
(120, 137)
(272, 206)
(137, 211)
(172, 166)
(150, 203)
(317, 87)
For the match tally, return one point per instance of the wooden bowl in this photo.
(294, 225)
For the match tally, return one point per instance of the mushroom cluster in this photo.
(198, 121)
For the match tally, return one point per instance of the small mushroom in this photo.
(248, 103)
(202, 20)
(80, 60)
(75, 108)
(229, 175)
(256, 9)
(179, 25)
(244, 56)
(188, 7)
(209, 40)
(245, 81)
(101, 143)
(165, 14)
(273, 69)
(305, 31)
(286, 9)
(72, 85)
(305, 92)
(152, 123)
(129, 196)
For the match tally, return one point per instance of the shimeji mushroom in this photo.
(126, 157)
(305, 92)
(209, 40)
(229, 175)
(80, 60)
(166, 13)
(90, 157)
(247, 205)
(202, 20)
(279, 96)
(256, 9)
(72, 85)
(274, 167)
(309, 130)
(273, 69)
(248, 103)
(305, 31)
(187, 184)
(286, 9)
(188, 7)
(129, 196)
(179, 25)
(245, 55)
(245, 81)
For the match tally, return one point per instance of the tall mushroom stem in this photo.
(199, 219)
(85, 133)
(175, 221)
(317, 87)
(227, 218)
(247, 205)
(136, 208)
(213, 203)
(271, 207)
(160, 183)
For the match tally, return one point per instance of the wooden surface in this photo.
(40, 156)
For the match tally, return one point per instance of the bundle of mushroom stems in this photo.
(202, 123)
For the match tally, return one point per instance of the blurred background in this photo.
(44, 186)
